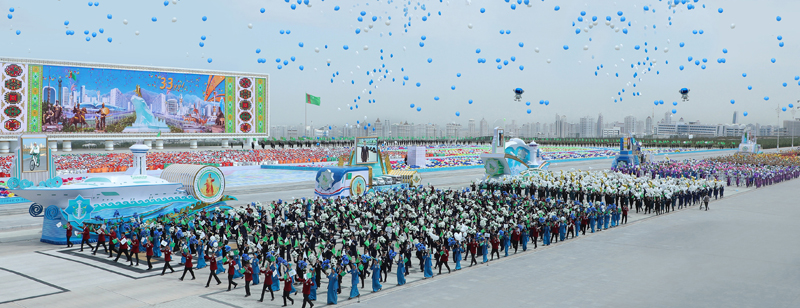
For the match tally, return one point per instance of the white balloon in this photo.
(667, 41)
(370, 26)
(329, 61)
(733, 26)
(388, 22)
(585, 47)
(616, 30)
(585, 29)
(536, 49)
(594, 23)
(316, 49)
(608, 22)
(124, 21)
(591, 26)
(616, 47)
(174, 1)
(404, 47)
(666, 49)
(137, 32)
(174, 19)
(548, 60)
(469, 26)
(250, 26)
(611, 25)
(366, 30)
(366, 47)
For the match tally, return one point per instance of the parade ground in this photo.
(741, 253)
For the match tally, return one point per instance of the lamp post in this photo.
(778, 112)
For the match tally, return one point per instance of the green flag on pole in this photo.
(313, 100)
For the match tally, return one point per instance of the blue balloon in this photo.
(780, 44)
(11, 10)
(300, 44)
(478, 50)
(674, 111)
(452, 87)
(423, 37)
(263, 10)
(470, 102)
(681, 67)
(557, 8)
(499, 67)
(745, 113)
(681, 44)
(101, 30)
(90, 4)
(674, 103)
(66, 22)
(719, 10)
(358, 30)
(529, 111)
(773, 60)
(258, 50)
(784, 108)
(521, 67)
(87, 38)
(566, 47)
(205, 18)
(636, 47)
(153, 19)
(336, 8)
(619, 13)
(166, 2)
(744, 74)
(293, 6)
(766, 98)
(418, 84)
(421, 44)
(458, 114)
(784, 84)
(527, 103)
(513, 58)
(94, 34)
(778, 18)
(436, 98)
(625, 30)
(209, 60)
(430, 60)
(483, 10)
(780, 37)
(363, 13)
(412, 105)
(505, 62)
(646, 8)
(458, 74)
(419, 108)
(345, 47)
(301, 67)
(749, 87)
(18, 32)
(521, 44)
(282, 32)
(97, 4)
(546, 103)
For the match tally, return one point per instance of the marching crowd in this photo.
(282, 245)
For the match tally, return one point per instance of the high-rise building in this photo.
(172, 106)
(587, 127)
(484, 127)
(378, 126)
(599, 129)
(49, 94)
(65, 97)
(453, 130)
(471, 128)
(648, 124)
(630, 125)
(83, 97)
(115, 98)
(735, 117)
(667, 118)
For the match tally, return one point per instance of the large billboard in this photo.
(91, 98)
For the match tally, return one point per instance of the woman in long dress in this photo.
(354, 286)
(428, 270)
(401, 271)
(376, 279)
(333, 285)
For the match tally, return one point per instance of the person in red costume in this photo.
(443, 258)
(149, 246)
(69, 235)
(167, 257)
(86, 236)
(248, 278)
(101, 240)
(267, 282)
(212, 261)
(515, 239)
(135, 249)
(307, 284)
(231, 268)
(188, 265)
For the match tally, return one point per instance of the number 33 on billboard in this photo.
(165, 82)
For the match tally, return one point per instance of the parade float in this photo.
(517, 157)
(94, 200)
(749, 144)
(630, 153)
(364, 169)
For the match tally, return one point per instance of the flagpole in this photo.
(305, 121)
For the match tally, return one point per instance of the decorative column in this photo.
(148, 143)
(4, 147)
(225, 144)
(159, 144)
(109, 145)
(66, 146)
(53, 145)
(193, 144)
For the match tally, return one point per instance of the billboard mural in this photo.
(97, 99)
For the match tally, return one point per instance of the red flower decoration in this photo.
(245, 105)
(245, 127)
(245, 82)
(13, 97)
(245, 116)
(12, 125)
(13, 70)
(13, 84)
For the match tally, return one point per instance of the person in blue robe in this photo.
(220, 267)
(562, 231)
(525, 239)
(546, 236)
(376, 279)
(256, 270)
(313, 294)
(354, 282)
(237, 273)
(592, 220)
(333, 285)
(506, 241)
(276, 284)
(401, 270)
(457, 254)
(201, 260)
(606, 218)
(485, 251)
(428, 270)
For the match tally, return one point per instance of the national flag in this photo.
(311, 99)
(73, 76)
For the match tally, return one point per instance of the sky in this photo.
(235, 30)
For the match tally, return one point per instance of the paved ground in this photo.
(741, 253)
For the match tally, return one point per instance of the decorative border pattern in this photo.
(21, 119)
(230, 104)
(261, 104)
(34, 97)
(243, 126)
